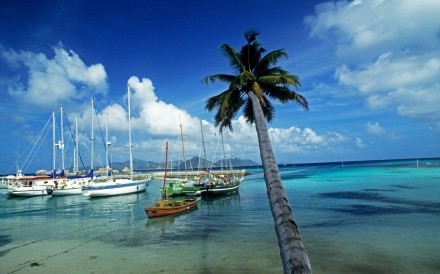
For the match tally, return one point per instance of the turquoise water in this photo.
(375, 217)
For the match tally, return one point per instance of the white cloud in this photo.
(409, 84)
(159, 121)
(52, 82)
(390, 73)
(156, 116)
(65, 78)
(375, 129)
(369, 27)
(359, 143)
(296, 140)
(389, 52)
(378, 130)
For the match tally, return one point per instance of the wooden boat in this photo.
(168, 207)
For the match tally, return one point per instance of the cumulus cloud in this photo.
(296, 140)
(359, 143)
(153, 122)
(389, 52)
(53, 81)
(378, 130)
(160, 121)
(369, 27)
(157, 116)
(65, 79)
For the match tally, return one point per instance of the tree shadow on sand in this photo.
(4, 240)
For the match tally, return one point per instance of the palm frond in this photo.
(301, 100)
(227, 103)
(248, 112)
(255, 72)
(269, 60)
(279, 93)
(251, 35)
(233, 56)
(225, 78)
(251, 55)
(284, 94)
(268, 109)
(280, 79)
(213, 102)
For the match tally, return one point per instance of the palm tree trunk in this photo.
(293, 253)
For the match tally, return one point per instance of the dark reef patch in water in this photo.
(355, 195)
(294, 176)
(379, 190)
(368, 210)
(334, 223)
(405, 186)
(398, 206)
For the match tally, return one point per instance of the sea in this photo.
(354, 217)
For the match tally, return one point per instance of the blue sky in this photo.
(370, 70)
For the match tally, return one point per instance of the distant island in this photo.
(194, 163)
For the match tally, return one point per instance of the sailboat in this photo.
(210, 184)
(38, 185)
(165, 207)
(218, 184)
(73, 184)
(195, 188)
(174, 187)
(112, 186)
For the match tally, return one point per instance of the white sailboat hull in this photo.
(116, 186)
(71, 186)
(28, 191)
(67, 191)
(119, 187)
(28, 186)
(221, 190)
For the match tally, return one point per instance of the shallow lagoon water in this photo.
(380, 217)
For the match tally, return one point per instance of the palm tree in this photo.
(257, 79)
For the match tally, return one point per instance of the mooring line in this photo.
(38, 263)
(61, 234)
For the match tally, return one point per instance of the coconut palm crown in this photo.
(254, 73)
(258, 79)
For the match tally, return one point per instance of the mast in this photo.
(107, 144)
(129, 133)
(224, 152)
(183, 147)
(164, 193)
(54, 144)
(92, 138)
(19, 173)
(76, 151)
(203, 143)
(61, 143)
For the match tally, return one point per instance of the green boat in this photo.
(173, 188)
(193, 189)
